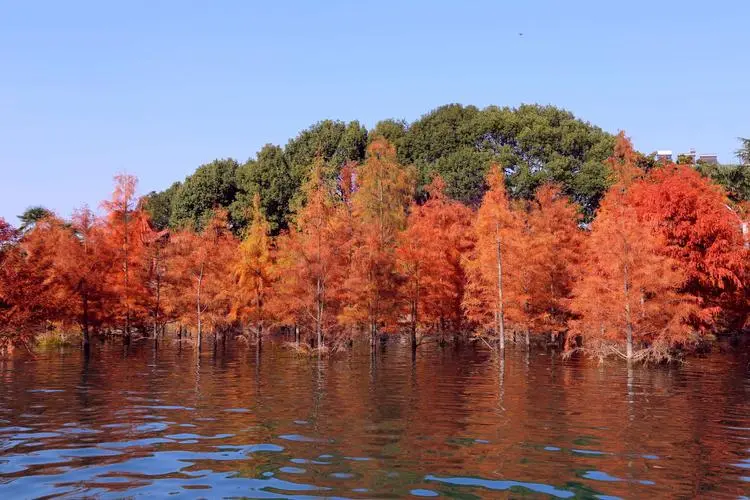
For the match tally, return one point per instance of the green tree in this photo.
(743, 153)
(535, 144)
(159, 206)
(335, 142)
(391, 130)
(212, 185)
(31, 216)
(269, 176)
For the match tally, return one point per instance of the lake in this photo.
(453, 423)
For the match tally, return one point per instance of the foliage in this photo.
(535, 144)
(211, 186)
(703, 232)
(307, 263)
(125, 226)
(734, 178)
(253, 273)
(31, 216)
(333, 142)
(384, 191)
(630, 300)
(495, 230)
(159, 206)
(270, 177)
(200, 268)
(743, 153)
(429, 254)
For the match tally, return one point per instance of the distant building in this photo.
(664, 155)
(688, 158)
(691, 157)
(709, 159)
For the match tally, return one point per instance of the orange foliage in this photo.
(383, 194)
(548, 262)
(27, 294)
(125, 229)
(705, 235)
(429, 256)
(308, 256)
(495, 231)
(81, 263)
(629, 302)
(253, 273)
(200, 273)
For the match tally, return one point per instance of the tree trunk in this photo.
(86, 339)
(198, 304)
(628, 320)
(414, 326)
(319, 317)
(500, 305)
(528, 340)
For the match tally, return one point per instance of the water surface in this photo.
(454, 423)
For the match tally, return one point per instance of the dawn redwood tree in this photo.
(80, 266)
(253, 273)
(556, 251)
(307, 261)
(704, 233)
(125, 227)
(200, 274)
(153, 273)
(384, 191)
(429, 256)
(494, 231)
(27, 292)
(629, 301)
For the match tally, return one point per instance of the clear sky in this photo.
(155, 88)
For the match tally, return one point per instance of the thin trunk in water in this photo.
(628, 320)
(198, 304)
(500, 305)
(86, 339)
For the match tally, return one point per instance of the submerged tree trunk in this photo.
(628, 320)
(86, 338)
(319, 314)
(500, 305)
(198, 305)
(414, 325)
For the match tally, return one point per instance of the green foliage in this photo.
(269, 175)
(391, 130)
(464, 173)
(335, 142)
(743, 153)
(159, 206)
(683, 159)
(533, 143)
(31, 216)
(212, 185)
(734, 178)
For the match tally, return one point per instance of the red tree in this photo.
(429, 256)
(705, 235)
(494, 231)
(126, 226)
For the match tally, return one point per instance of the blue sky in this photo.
(155, 88)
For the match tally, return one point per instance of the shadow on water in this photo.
(454, 422)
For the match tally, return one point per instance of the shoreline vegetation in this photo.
(497, 225)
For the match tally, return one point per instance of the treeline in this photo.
(664, 264)
(534, 144)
